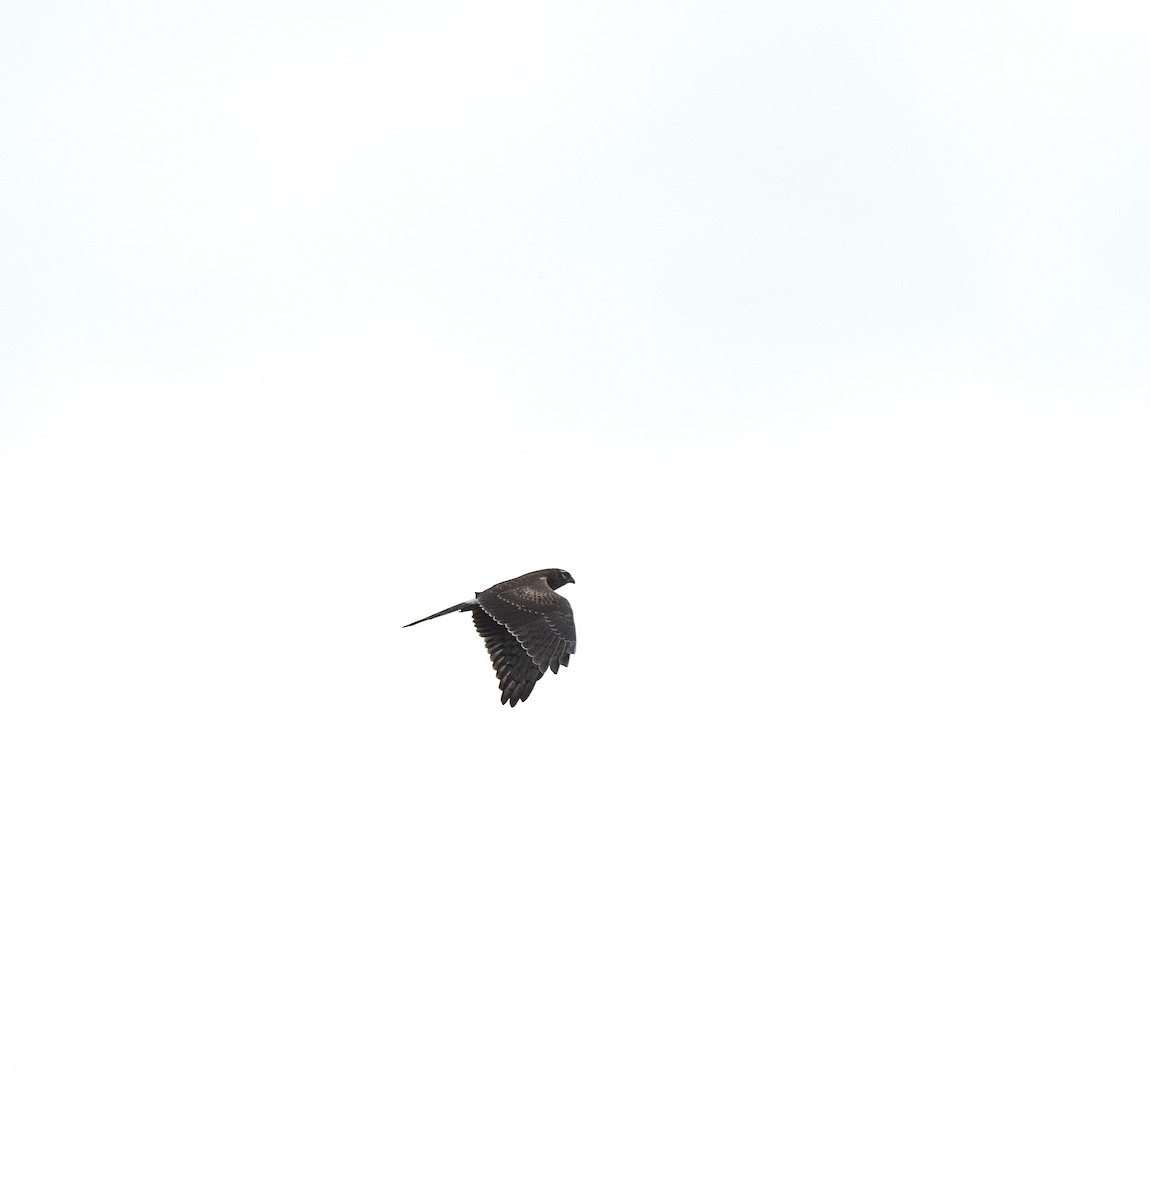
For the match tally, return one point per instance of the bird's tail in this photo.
(466, 606)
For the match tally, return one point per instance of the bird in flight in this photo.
(527, 627)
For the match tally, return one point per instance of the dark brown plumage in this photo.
(527, 627)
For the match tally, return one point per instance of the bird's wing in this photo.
(540, 619)
(517, 673)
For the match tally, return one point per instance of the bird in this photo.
(526, 626)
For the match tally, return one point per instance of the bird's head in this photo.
(557, 578)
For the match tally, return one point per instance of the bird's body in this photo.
(527, 627)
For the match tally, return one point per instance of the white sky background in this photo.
(812, 341)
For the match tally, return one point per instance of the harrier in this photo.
(527, 628)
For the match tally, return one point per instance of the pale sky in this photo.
(812, 340)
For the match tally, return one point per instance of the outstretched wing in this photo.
(540, 619)
(517, 672)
